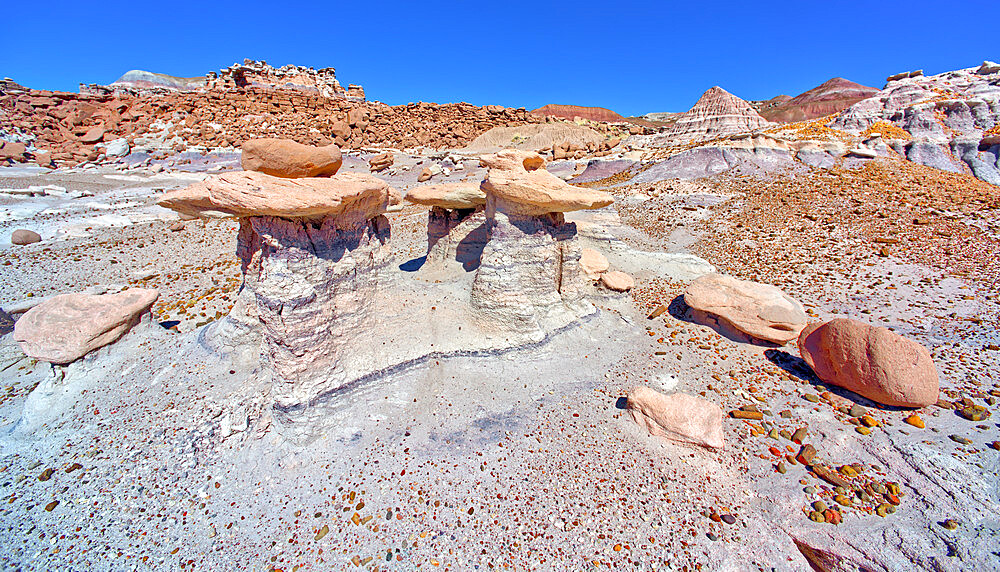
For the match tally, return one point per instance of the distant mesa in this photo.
(832, 96)
(140, 79)
(574, 111)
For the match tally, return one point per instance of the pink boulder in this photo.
(677, 416)
(67, 327)
(871, 361)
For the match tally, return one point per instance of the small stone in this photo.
(819, 506)
(816, 516)
(842, 500)
(950, 524)
(799, 435)
(809, 490)
(960, 439)
(22, 237)
(832, 516)
(738, 414)
(781, 468)
(857, 410)
(868, 421)
(885, 509)
(657, 312)
(712, 536)
(811, 397)
(322, 532)
(806, 454)
(51, 506)
(863, 430)
(46, 474)
(728, 519)
(848, 471)
(915, 420)
(974, 413)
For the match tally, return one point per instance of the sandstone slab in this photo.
(871, 361)
(65, 328)
(617, 281)
(593, 263)
(759, 310)
(448, 195)
(249, 193)
(677, 416)
(287, 158)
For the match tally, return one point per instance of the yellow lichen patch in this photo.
(886, 130)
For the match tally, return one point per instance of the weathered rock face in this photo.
(951, 119)
(830, 97)
(286, 158)
(448, 196)
(456, 235)
(529, 278)
(249, 193)
(716, 113)
(759, 310)
(871, 361)
(67, 327)
(314, 285)
(677, 416)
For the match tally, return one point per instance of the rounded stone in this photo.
(23, 236)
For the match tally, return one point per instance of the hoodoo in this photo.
(529, 278)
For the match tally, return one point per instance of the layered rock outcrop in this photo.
(311, 252)
(951, 120)
(717, 113)
(576, 111)
(529, 278)
(67, 327)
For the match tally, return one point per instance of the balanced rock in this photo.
(529, 278)
(249, 193)
(23, 236)
(758, 310)
(677, 416)
(871, 361)
(67, 327)
(287, 158)
(593, 263)
(617, 281)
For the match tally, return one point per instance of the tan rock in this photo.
(65, 328)
(871, 361)
(521, 185)
(448, 195)
(617, 281)
(381, 162)
(249, 193)
(23, 236)
(677, 416)
(287, 158)
(759, 310)
(593, 263)
(425, 175)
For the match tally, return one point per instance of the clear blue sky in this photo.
(632, 57)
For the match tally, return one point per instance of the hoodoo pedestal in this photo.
(529, 278)
(310, 251)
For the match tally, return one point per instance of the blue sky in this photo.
(632, 57)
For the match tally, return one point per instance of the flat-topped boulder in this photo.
(450, 196)
(67, 327)
(287, 158)
(249, 193)
(520, 184)
(758, 310)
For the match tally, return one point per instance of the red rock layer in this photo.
(573, 111)
(832, 96)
